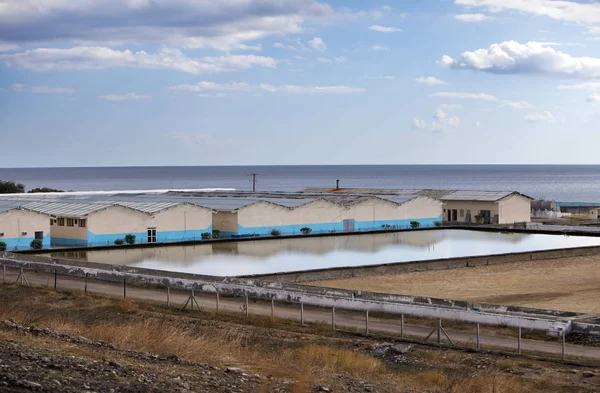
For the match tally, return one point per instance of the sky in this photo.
(298, 82)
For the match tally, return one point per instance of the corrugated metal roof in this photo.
(146, 207)
(399, 199)
(490, 196)
(9, 205)
(66, 208)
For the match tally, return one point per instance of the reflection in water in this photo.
(279, 255)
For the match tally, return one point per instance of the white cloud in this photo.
(420, 124)
(477, 124)
(570, 11)
(7, 47)
(594, 98)
(539, 117)
(339, 59)
(380, 48)
(484, 97)
(532, 58)
(595, 30)
(21, 88)
(223, 25)
(124, 97)
(278, 45)
(471, 96)
(516, 104)
(314, 90)
(212, 86)
(450, 106)
(441, 122)
(317, 44)
(473, 17)
(430, 81)
(94, 57)
(580, 86)
(384, 29)
(208, 89)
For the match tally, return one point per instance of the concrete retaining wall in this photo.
(315, 296)
(416, 266)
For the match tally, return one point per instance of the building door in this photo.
(454, 215)
(486, 216)
(39, 235)
(151, 235)
(349, 225)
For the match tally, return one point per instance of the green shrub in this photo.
(437, 223)
(130, 239)
(2, 246)
(305, 230)
(275, 232)
(415, 224)
(205, 235)
(36, 244)
(216, 233)
(118, 242)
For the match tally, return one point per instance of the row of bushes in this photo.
(305, 231)
(36, 244)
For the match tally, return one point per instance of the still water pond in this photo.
(284, 255)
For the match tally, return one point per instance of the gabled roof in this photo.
(486, 196)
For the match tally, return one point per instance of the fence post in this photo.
(246, 304)
(272, 307)
(564, 356)
(367, 322)
(217, 298)
(478, 338)
(86, 283)
(439, 330)
(519, 342)
(55, 279)
(401, 325)
(3, 273)
(333, 317)
(301, 313)
(168, 296)
(124, 288)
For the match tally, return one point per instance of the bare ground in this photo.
(569, 284)
(64, 341)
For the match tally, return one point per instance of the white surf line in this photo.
(113, 192)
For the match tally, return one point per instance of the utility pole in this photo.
(254, 182)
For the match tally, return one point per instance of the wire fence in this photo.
(466, 336)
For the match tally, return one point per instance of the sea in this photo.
(561, 183)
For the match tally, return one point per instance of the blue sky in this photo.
(199, 82)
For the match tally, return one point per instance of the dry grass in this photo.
(139, 327)
(570, 284)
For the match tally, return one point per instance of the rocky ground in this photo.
(49, 343)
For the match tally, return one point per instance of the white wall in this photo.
(515, 208)
(14, 222)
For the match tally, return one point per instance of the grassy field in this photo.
(152, 348)
(570, 284)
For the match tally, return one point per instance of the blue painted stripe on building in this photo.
(23, 243)
(338, 226)
(94, 239)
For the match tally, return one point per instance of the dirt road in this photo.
(343, 319)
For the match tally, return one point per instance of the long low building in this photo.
(80, 219)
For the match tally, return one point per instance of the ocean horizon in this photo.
(562, 183)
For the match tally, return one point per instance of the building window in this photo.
(51, 222)
(462, 213)
(82, 223)
(61, 222)
(70, 222)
